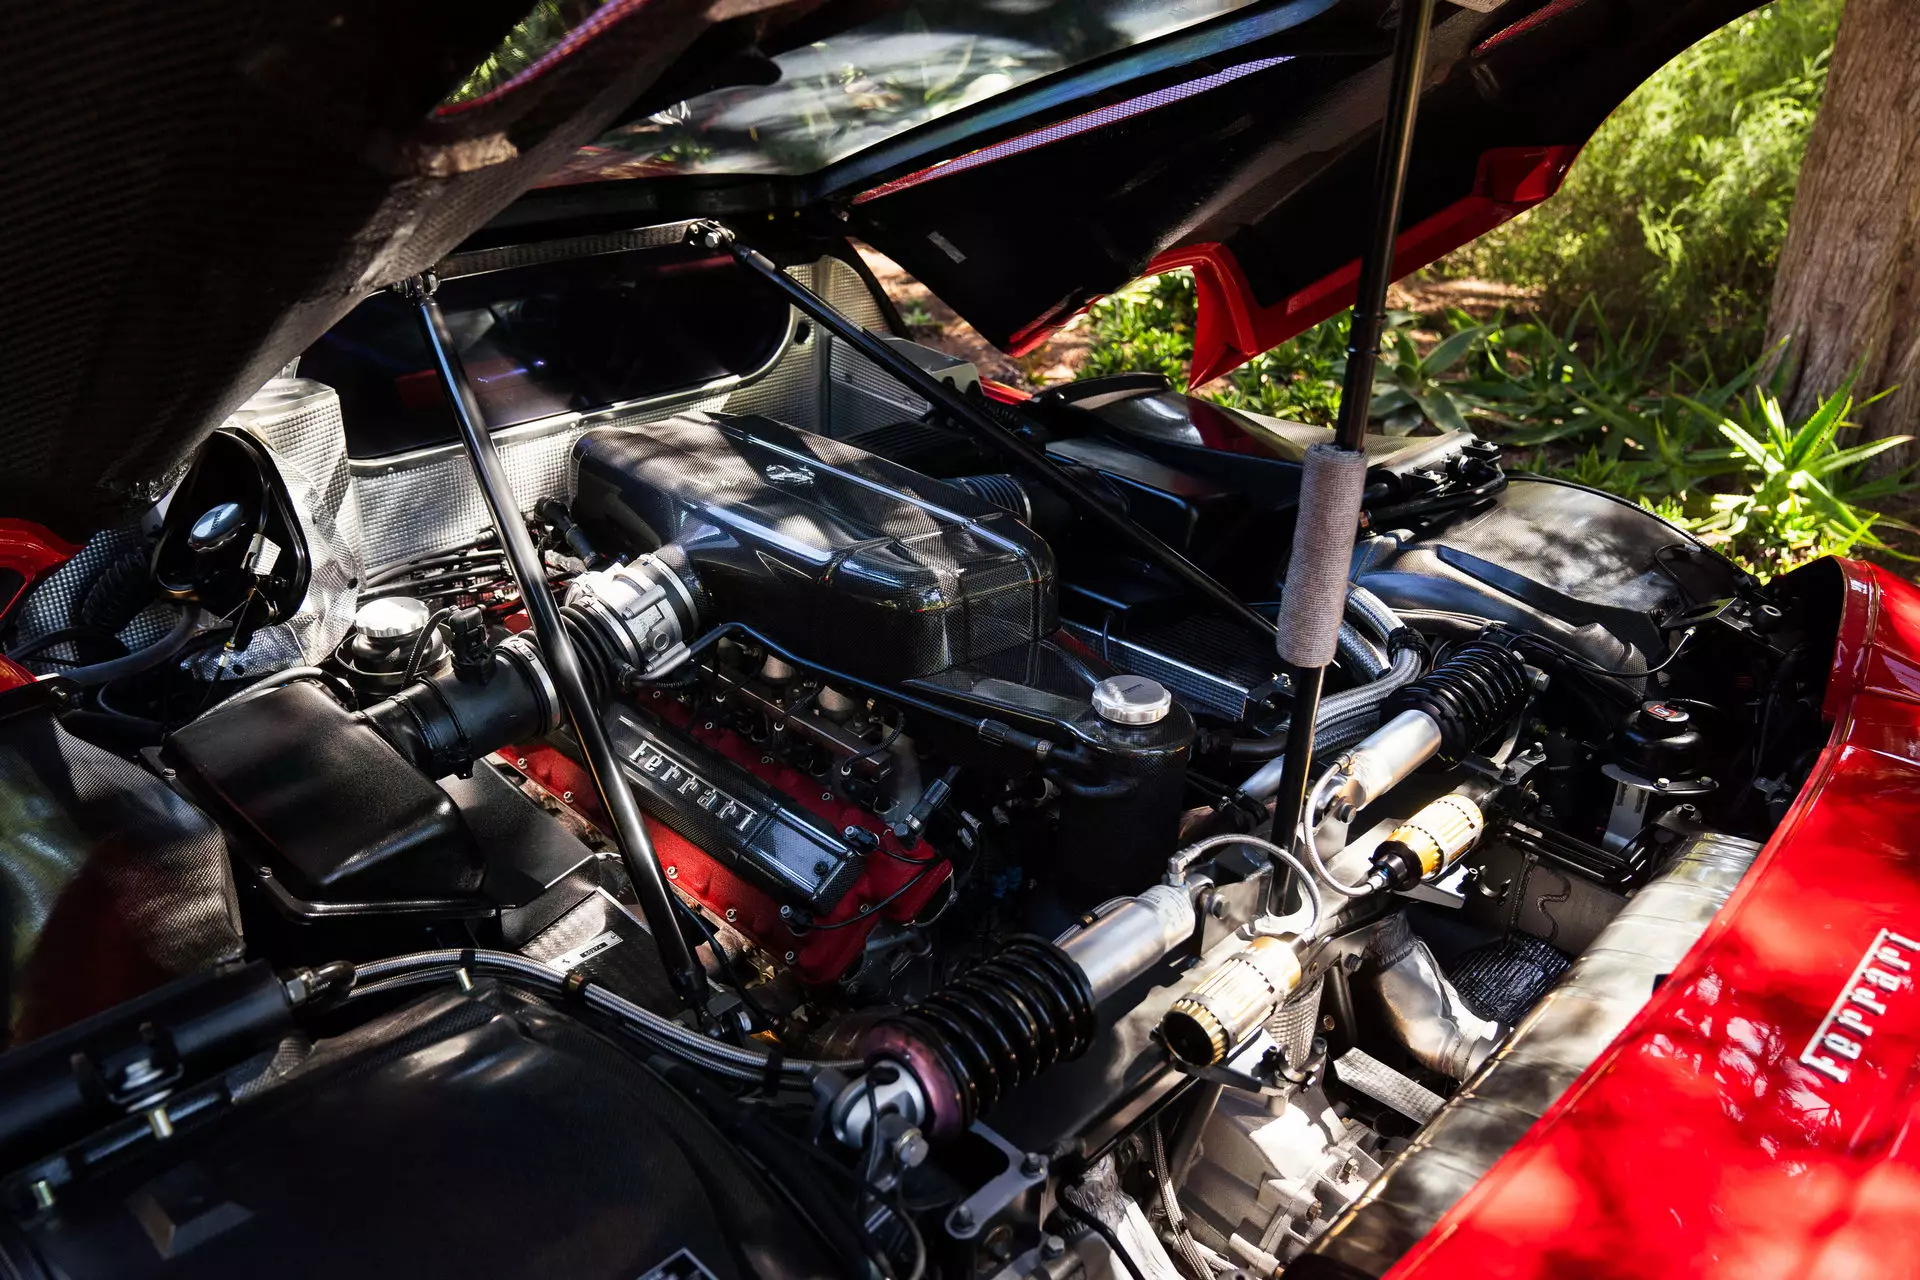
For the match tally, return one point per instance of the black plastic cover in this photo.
(1590, 569)
(466, 1135)
(342, 816)
(851, 560)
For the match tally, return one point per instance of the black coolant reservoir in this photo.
(854, 561)
(1124, 827)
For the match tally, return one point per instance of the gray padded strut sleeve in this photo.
(1315, 594)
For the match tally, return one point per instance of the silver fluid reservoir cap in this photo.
(216, 526)
(1131, 699)
(391, 618)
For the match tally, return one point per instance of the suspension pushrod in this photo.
(563, 665)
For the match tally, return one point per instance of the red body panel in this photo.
(29, 552)
(1232, 327)
(1701, 1144)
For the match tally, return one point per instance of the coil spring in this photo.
(1473, 693)
(1004, 1022)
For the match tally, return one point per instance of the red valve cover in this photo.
(826, 950)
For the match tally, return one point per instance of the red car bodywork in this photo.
(28, 553)
(1701, 1143)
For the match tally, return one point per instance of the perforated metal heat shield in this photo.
(195, 191)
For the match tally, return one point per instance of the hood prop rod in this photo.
(636, 849)
(1331, 486)
(713, 236)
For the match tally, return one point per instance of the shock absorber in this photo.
(1448, 713)
(1474, 693)
(948, 1060)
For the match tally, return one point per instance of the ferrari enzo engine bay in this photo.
(957, 936)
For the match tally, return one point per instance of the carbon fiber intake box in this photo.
(850, 560)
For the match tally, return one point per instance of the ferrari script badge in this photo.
(1884, 975)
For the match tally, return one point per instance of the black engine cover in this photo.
(469, 1135)
(853, 561)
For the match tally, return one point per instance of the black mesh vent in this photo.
(1504, 979)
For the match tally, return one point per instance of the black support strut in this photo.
(1363, 351)
(563, 665)
(977, 420)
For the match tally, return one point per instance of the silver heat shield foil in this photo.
(298, 422)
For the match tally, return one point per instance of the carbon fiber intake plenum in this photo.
(856, 562)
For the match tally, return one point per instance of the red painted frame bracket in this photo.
(1233, 327)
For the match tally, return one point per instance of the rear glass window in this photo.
(549, 339)
(852, 90)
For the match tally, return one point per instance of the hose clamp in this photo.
(521, 649)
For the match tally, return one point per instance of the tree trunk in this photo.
(1848, 289)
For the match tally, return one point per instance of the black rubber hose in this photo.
(1102, 1230)
(422, 643)
(117, 594)
(162, 651)
(75, 636)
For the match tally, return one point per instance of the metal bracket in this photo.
(1450, 890)
(1024, 1169)
(1259, 1068)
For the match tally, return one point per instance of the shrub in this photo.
(1591, 402)
(1674, 216)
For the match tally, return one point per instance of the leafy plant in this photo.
(1676, 211)
(1411, 390)
(1148, 327)
(1800, 494)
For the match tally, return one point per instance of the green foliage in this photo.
(1590, 402)
(534, 36)
(1676, 211)
(1800, 493)
(1148, 328)
(1411, 390)
(1717, 457)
